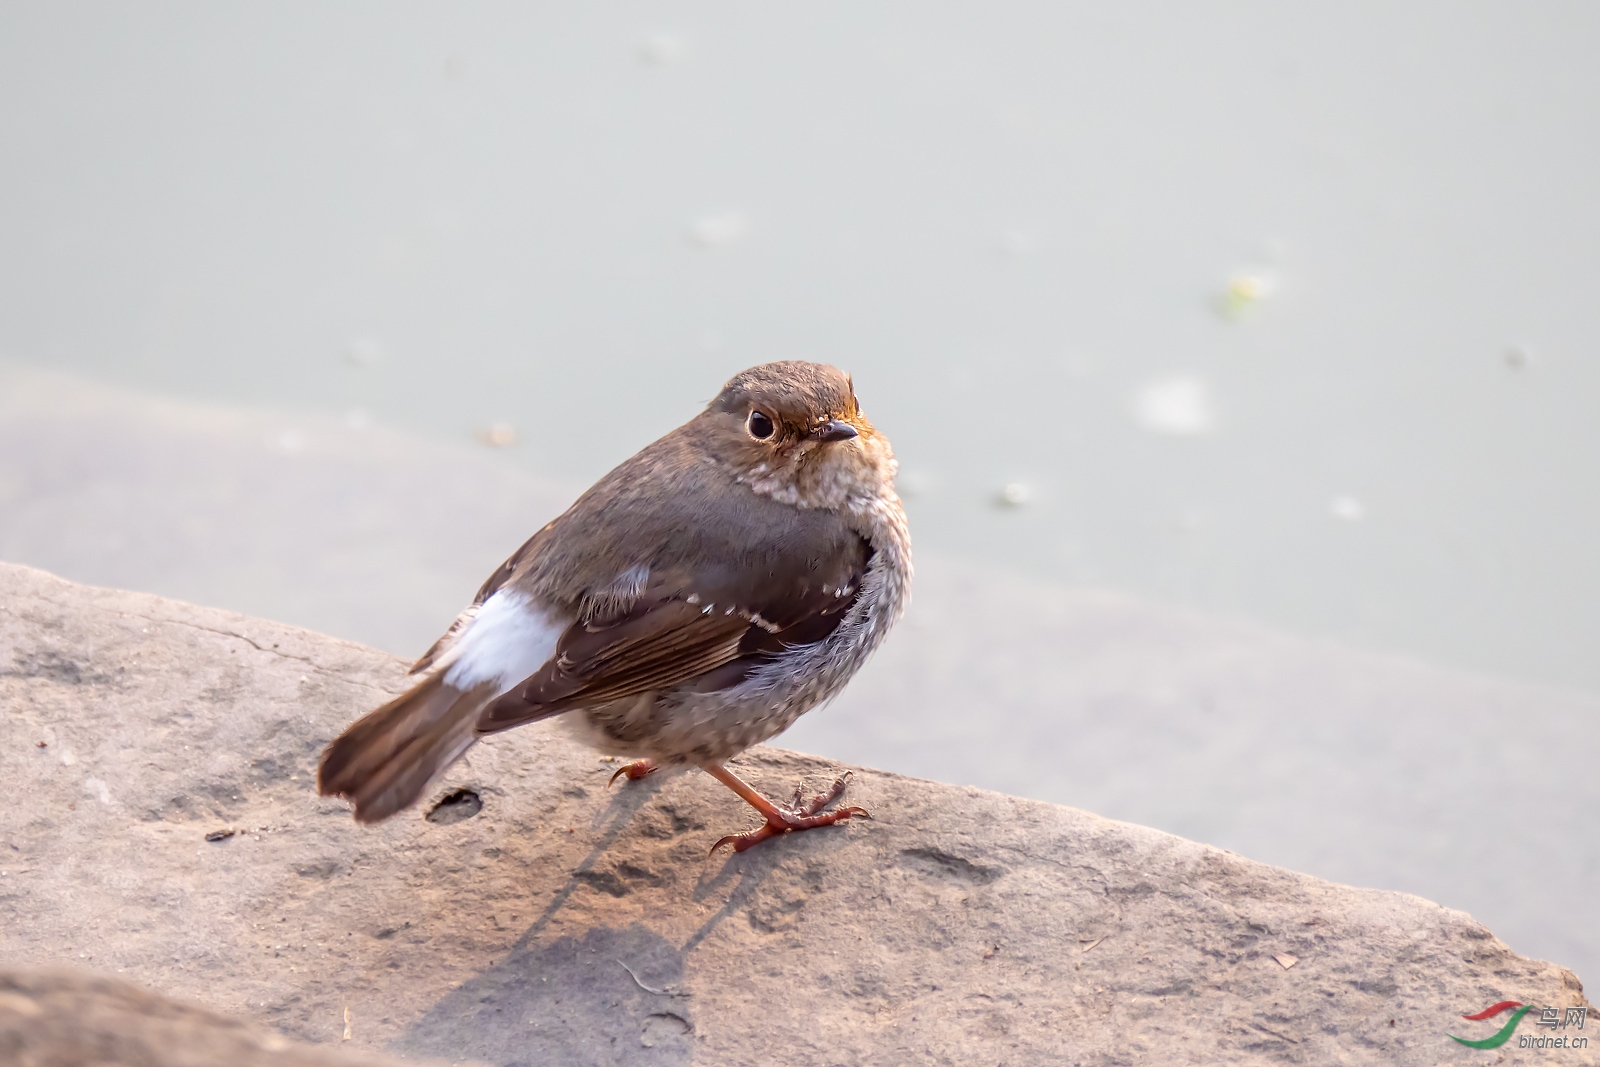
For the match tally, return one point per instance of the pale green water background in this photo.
(1007, 221)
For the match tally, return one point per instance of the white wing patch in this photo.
(508, 640)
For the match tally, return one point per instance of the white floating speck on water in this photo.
(1078, 368)
(289, 442)
(1015, 494)
(364, 352)
(1347, 508)
(913, 483)
(662, 50)
(498, 435)
(1179, 406)
(719, 231)
(1017, 243)
(1245, 291)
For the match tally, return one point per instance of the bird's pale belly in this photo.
(678, 727)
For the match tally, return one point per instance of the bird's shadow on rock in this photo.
(570, 1001)
(612, 996)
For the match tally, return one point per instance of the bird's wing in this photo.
(673, 635)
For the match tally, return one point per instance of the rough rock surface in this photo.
(61, 1017)
(1359, 767)
(565, 923)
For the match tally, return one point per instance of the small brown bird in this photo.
(696, 601)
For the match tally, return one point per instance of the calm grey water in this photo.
(1282, 313)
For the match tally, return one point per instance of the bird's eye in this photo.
(759, 425)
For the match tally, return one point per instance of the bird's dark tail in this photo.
(387, 758)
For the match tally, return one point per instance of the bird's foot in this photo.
(634, 771)
(798, 805)
(798, 814)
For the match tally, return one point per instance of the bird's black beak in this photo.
(834, 430)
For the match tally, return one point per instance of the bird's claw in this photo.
(634, 771)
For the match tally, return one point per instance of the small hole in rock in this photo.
(456, 806)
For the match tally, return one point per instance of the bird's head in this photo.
(794, 431)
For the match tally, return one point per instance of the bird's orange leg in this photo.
(635, 771)
(799, 814)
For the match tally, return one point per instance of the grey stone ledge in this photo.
(571, 923)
